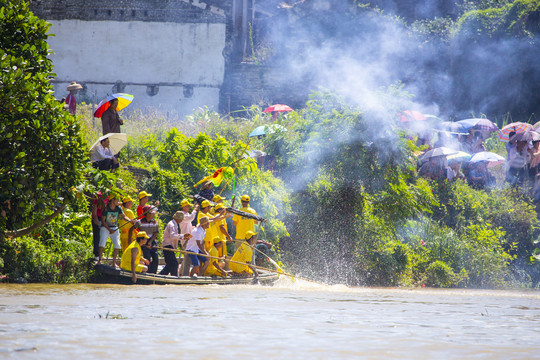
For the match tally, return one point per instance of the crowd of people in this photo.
(457, 155)
(195, 240)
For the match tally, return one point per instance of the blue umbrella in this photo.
(478, 124)
(453, 128)
(267, 129)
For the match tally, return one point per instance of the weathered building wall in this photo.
(168, 54)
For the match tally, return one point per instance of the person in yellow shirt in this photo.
(243, 224)
(132, 259)
(215, 268)
(212, 230)
(127, 203)
(220, 227)
(244, 254)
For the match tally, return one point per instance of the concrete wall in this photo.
(184, 60)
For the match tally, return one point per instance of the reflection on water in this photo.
(297, 320)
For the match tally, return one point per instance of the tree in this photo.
(42, 153)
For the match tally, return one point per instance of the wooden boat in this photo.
(119, 276)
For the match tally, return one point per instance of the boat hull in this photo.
(119, 276)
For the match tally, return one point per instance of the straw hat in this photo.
(204, 220)
(74, 86)
(178, 215)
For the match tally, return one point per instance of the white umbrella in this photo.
(491, 158)
(117, 142)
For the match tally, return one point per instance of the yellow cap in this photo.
(143, 194)
(185, 202)
(126, 199)
(205, 203)
(218, 198)
(217, 239)
(142, 234)
(245, 198)
(218, 206)
(112, 196)
(250, 234)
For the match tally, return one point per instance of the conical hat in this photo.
(74, 86)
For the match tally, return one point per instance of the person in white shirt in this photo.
(196, 245)
(186, 228)
(171, 236)
(102, 156)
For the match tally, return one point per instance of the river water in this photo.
(291, 320)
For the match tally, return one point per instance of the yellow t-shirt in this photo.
(243, 255)
(125, 263)
(211, 232)
(244, 224)
(124, 230)
(211, 270)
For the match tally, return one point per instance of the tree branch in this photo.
(21, 232)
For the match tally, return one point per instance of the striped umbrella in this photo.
(478, 124)
(516, 127)
(123, 101)
(460, 156)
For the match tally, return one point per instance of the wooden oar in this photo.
(238, 262)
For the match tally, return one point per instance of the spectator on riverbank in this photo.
(518, 159)
(102, 156)
(71, 102)
(149, 225)
(110, 120)
(132, 259)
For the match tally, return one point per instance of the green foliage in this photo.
(508, 20)
(42, 155)
(438, 274)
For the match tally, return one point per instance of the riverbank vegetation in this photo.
(341, 194)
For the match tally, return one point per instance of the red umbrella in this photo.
(123, 101)
(278, 108)
(411, 115)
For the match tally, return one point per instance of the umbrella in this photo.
(453, 128)
(278, 108)
(267, 129)
(491, 158)
(117, 142)
(123, 101)
(411, 115)
(478, 124)
(530, 135)
(459, 156)
(517, 127)
(440, 151)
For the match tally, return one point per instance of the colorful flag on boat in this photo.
(217, 177)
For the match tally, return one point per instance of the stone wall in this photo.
(169, 54)
(247, 84)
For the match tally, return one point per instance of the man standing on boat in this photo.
(131, 258)
(149, 225)
(171, 236)
(196, 245)
(243, 224)
(186, 228)
(143, 200)
(244, 255)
